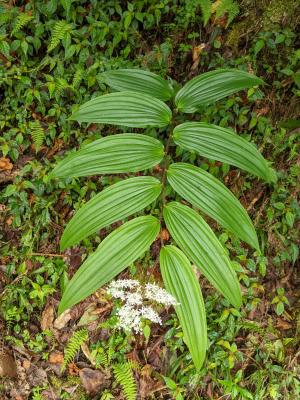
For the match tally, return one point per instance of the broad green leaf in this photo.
(114, 203)
(181, 282)
(212, 86)
(139, 81)
(127, 152)
(222, 144)
(206, 192)
(117, 251)
(125, 108)
(199, 243)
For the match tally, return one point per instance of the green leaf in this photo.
(206, 192)
(117, 251)
(126, 109)
(199, 243)
(205, 6)
(139, 81)
(224, 145)
(212, 86)
(114, 203)
(181, 282)
(127, 152)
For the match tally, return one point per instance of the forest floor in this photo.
(45, 68)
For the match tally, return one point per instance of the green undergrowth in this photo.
(52, 55)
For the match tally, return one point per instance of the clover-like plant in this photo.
(138, 102)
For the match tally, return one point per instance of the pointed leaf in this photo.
(126, 109)
(114, 203)
(206, 7)
(117, 251)
(206, 192)
(212, 86)
(181, 282)
(139, 81)
(127, 152)
(199, 243)
(224, 145)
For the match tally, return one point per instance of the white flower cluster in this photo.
(134, 296)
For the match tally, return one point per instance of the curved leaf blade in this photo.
(127, 152)
(199, 243)
(117, 251)
(126, 109)
(181, 282)
(217, 143)
(206, 192)
(212, 86)
(114, 203)
(139, 81)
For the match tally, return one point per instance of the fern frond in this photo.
(37, 134)
(229, 7)
(11, 316)
(20, 22)
(205, 6)
(4, 48)
(102, 359)
(77, 78)
(59, 31)
(73, 346)
(124, 376)
(60, 85)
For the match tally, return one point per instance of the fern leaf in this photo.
(59, 31)
(77, 78)
(229, 7)
(205, 6)
(124, 376)
(20, 22)
(4, 48)
(37, 134)
(73, 346)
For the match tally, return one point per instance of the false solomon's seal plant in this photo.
(139, 102)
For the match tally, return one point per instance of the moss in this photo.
(280, 12)
(265, 15)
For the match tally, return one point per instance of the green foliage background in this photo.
(52, 55)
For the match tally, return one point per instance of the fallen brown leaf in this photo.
(8, 366)
(86, 351)
(56, 357)
(73, 369)
(5, 164)
(62, 320)
(92, 380)
(47, 317)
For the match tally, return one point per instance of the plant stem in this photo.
(163, 182)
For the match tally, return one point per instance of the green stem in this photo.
(164, 180)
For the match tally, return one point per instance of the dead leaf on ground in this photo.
(62, 320)
(56, 357)
(8, 366)
(92, 380)
(47, 317)
(86, 351)
(5, 164)
(281, 324)
(73, 369)
(196, 53)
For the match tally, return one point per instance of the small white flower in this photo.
(149, 313)
(125, 284)
(116, 293)
(129, 318)
(160, 295)
(134, 298)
